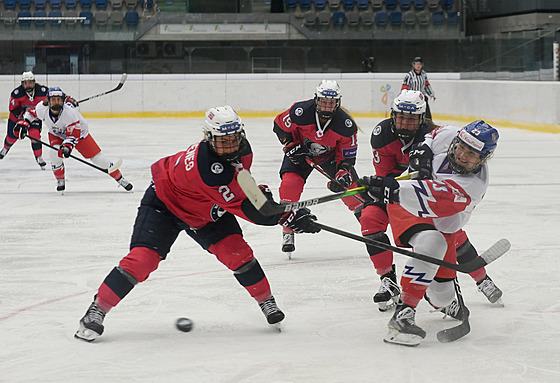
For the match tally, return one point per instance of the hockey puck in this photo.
(184, 324)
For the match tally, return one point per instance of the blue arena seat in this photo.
(40, 4)
(338, 18)
(85, 4)
(447, 4)
(438, 18)
(24, 23)
(305, 4)
(405, 4)
(9, 4)
(24, 4)
(320, 4)
(55, 22)
(381, 18)
(348, 4)
(131, 17)
(70, 4)
(362, 4)
(419, 4)
(88, 18)
(40, 23)
(291, 4)
(390, 4)
(55, 4)
(101, 4)
(452, 18)
(396, 18)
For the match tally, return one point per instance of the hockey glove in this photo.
(65, 150)
(21, 129)
(381, 189)
(267, 192)
(72, 101)
(420, 160)
(300, 221)
(296, 152)
(343, 180)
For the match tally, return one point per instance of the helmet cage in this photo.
(55, 92)
(407, 103)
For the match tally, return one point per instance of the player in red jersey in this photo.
(196, 191)
(392, 140)
(426, 214)
(320, 130)
(25, 96)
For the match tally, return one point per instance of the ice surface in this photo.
(55, 251)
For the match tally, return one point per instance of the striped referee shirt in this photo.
(414, 81)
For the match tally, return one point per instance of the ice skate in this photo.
(453, 310)
(91, 325)
(288, 244)
(125, 184)
(487, 286)
(402, 328)
(3, 153)
(389, 291)
(272, 313)
(60, 185)
(41, 162)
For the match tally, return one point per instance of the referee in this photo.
(417, 79)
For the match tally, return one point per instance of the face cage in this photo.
(230, 157)
(406, 134)
(460, 169)
(323, 114)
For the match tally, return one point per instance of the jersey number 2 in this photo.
(226, 193)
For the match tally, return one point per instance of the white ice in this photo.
(55, 250)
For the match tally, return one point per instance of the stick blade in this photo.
(115, 166)
(455, 333)
(496, 250)
(251, 189)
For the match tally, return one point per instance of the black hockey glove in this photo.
(343, 178)
(21, 129)
(300, 221)
(65, 150)
(420, 160)
(381, 189)
(296, 152)
(267, 192)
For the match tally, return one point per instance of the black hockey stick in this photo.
(494, 252)
(332, 179)
(119, 86)
(111, 169)
(457, 332)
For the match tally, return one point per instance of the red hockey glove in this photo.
(21, 129)
(72, 101)
(65, 150)
(344, 180)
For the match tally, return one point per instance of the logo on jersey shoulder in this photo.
(16, 91)
(377, 130)
(348, 123)
(216, 212)
(43, 89)
(349, 153)
(217, 168)
(298, 112)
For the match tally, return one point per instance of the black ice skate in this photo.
(389, 291)
(125, 184)
(60, 185)
(91, 325)
(487, 286)
(272, 313)
(3, 153)
(453, 310)
(41, 162)
(402, 328)
(288, 244)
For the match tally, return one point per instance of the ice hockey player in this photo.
(25, 96)
(426, 214)
(392, 141)
(68, 129)
(197, 191)
(318, 129)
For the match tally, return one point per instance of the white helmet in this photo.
(223, 121)
(328, 89)
(408, 102)
(27, 76)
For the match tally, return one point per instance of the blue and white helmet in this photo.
(477, 136)
(223, 121)
(331, 90)
(55, 92)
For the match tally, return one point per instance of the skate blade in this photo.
(499, 303)
(277, 326)
(388, 305)
(86, 334)
(396, 337)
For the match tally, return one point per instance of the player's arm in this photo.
(406, 82)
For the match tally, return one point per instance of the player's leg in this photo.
(374, 221)
(57, 163)
(293, 179)
(155, 230)
(35, 132)
(224, 239)
(88, 147)
(9, 140)
(467, 252)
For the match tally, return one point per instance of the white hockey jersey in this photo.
(69, 125)
(449, 198)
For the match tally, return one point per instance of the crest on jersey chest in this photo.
(314, 148)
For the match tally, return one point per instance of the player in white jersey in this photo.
(68, 129)
(426, 214)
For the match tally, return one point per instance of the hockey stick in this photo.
(267, 207)
(332, 179)
(119, 86)
(111, 169)
(457, 332)
(494, 252)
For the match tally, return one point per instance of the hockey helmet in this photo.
(477, 138)
(220, 124)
